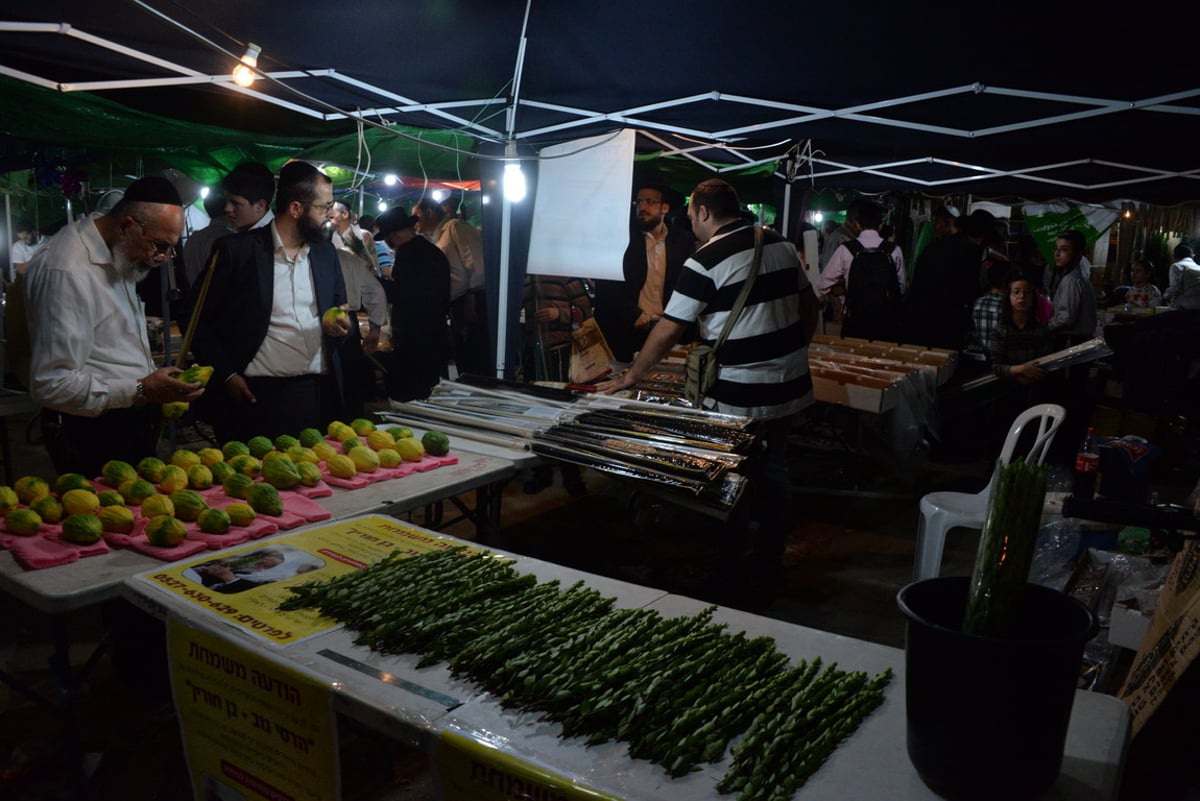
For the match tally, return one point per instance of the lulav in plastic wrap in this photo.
(1002, 563)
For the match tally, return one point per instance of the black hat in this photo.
(394, 220)
(152, 189)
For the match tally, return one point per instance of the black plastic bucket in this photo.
(988, 717)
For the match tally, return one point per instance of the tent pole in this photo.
(501, 323)
(786, 229)
(502, 309)
(9, 273)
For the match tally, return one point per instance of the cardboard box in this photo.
(856, 391)
(939, 362)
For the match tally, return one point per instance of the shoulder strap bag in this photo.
(701, 367)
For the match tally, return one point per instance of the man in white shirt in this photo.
(627, 311)
(276, 369)
(90, 363)
(29, 241)
(348, 236)
(1183, 281)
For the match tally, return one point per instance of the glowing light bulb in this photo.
(818, 216)
(390, 179)
(204, 190)
(514, 183)
(485, 199)
(439, 195)
(383, 206)
(243, 73)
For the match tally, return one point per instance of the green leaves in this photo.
(677, 690)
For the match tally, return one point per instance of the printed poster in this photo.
(253, 730)
(1173, 641)
(244, 587)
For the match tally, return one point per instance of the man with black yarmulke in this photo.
(91, 365)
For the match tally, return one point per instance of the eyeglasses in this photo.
(646, 201)
(161, 248)
(322, 207)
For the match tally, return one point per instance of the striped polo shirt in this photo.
(763, 365)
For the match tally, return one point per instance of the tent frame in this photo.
(635, 116)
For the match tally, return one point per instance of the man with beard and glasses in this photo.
(652, 262)
(275, 363)
(91, 366)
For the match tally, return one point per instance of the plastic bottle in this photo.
(1087, 466)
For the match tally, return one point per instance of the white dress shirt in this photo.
(293, 343)
(89, 346)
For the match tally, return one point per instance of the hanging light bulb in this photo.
(390, 179)
(383, 206)
(439, 195)
(243, 73)
(204, 190)
(514, 182)
(817, 217)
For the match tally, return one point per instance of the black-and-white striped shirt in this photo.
(763, 365)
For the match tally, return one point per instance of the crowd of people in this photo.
(281, 250)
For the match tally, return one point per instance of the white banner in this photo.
(581, 213)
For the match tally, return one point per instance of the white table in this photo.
(60, 591)
(95, 579)
(871, 764)
(517, 451)
(486, 475)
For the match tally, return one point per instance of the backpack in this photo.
(873, 300)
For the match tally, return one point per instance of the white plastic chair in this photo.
(942, 511)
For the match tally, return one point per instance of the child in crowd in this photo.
(1019, 337)
(986, 312)
(1142, 294)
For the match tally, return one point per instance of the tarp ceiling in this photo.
(1090, 101)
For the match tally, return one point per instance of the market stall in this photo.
(59, 580)
(461, 725)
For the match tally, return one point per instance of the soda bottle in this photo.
(1087, 466)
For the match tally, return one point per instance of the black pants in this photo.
(282, 406)
(83, 444)
(358, 374)
(472, 342)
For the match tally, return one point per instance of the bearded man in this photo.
(91, 367)
(652, 262)
(275, 363)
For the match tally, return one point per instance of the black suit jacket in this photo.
(617, 304)
(237, 308)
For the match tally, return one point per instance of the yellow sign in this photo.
(244, 587)
(252, 729)
(474, 771)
